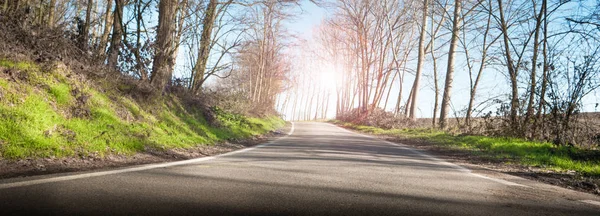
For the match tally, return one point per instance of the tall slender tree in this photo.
(107, 27)
(421, 58)
(450, 70)
(84, 38)
(512, 70)
(117, 34)
(204, 46)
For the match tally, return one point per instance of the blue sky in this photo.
(310, 16)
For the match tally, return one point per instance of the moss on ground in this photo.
(47, 114)
(510, 150)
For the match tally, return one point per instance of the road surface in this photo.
(319, 169)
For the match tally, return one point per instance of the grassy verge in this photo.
(54, 114)
(509, 150)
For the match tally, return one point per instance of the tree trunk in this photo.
(107, 27)
(539, 120)
(399, 99)
(317, 103)
(325, 104)
(42, 13)
(117, 34)
(514, 104)
(409, 101)
(473, 91)
(530, 110)
(51, 12)
(95, 28)
(286, 102)
(138, 43)
(182, 11)
(450, 71)
(161, 75)
(387, 97)
(421, 57)
(294, 105)
(309, 105)
(205, 44)
(86, 26)
(435, 74)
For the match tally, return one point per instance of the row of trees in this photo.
(174, 42)
(262, 67)
(547, 50)
(309, 90)
(383, 53)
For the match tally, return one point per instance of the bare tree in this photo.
(161, 74)
(415, 89)
(117, 34)
(534, 62)
(486, 44)
(51, 13)
(108, 20)
(450, 70)
(84, 38)
(204, 47)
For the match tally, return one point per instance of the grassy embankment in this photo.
(509, 150)
(54, 114)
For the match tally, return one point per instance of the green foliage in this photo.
(38, 120)
(509, 150)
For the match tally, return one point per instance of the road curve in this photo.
(320, 169)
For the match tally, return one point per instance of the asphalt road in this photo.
(320, 169)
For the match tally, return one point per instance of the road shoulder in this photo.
(535, 178)
(29, 168)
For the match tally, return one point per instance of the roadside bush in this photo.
(377, 118)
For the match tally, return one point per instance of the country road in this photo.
(319, 169)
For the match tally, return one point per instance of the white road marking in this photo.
(501, 181)
(291, 130)
(135, 169)
(439, 161)
(593, 202)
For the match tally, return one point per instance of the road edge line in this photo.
(138, 168)
(591, 202)
(442, 161)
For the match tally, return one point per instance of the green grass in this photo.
(3, 83)
(37, 120)
(25, 129)
(20, 65)
(509, 150)
(61, 93)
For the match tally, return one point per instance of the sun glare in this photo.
(327, 77)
